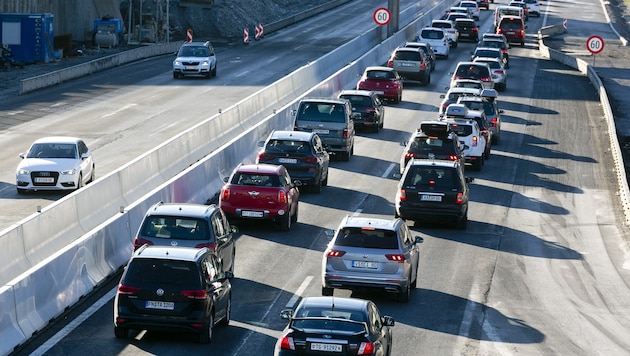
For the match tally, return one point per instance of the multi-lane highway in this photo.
(541, 269)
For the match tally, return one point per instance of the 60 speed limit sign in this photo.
(382, 16)
(595, 44)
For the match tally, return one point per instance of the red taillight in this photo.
(395, 85)
(138, 242)
(282, 197)
(522, 33)
(395, 257)
(366, 348)
(453, 158)
(309, 159)
(403, 195)
(360, 85)
(494, 121)
(390, 63)
(262, 156)
(475, 141)
(335, 253)
(500, 71)
(128, 290)
(409, 155)
(225, 194)
(499, 31)
(195, 294)
(210, 245)
(346, 133)
(486, 79)
(460, 198)
(287, 343)
(475, 29)
(423, 65)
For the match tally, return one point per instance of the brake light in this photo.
(282, 197)
(262, 156)
(460, 198)
(210, 245)
(494, 121)
(423, 65)
(138, 242)
(453, 157)
(395, 257)
(194, 294)
(485, 79)
(499, 30)
(225, 194)
(309, 159)
(366, 348)
(475, 29)
(360, 85)
(335, 253)
(287, 343)
(499, 71)
(346, 133)
(522, 33)
(395, 85)
(475, 141)
(409, 155)
(403, 195)
(127, 290)
(390, 63)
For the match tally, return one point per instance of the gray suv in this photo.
(411, 64)
(331, 119)
(372, 253)
(195, 58)
(189, 225)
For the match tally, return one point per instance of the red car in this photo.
(261, 192)
(384, 81)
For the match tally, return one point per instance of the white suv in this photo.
(469, 134)
(195, 58)
(448, 27)
(533, 7)
(437, 38)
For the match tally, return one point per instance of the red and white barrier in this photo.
(189, 36)
(246, 35)
(259, 31)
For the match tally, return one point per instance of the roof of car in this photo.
(356, 92)
(432, 162)
(442, 21)
(57, 139)
(263, 168)
(416, 44)
(196, 43)
(291, 135)
(488, 59)
(433, 28)
(468, 63)
(170, 253)
(181, 209)
(368, 222)
(471, 91)
(381, 68)
(464, 20)
(335, 302)
(408, 49)
(323, 100)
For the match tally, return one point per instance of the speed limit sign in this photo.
(595, 44)
(382, 16)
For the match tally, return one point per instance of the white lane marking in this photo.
(118, 110)
(242, 74)
(388, 170)
(299, 291)
(357, 212)
(74, 323)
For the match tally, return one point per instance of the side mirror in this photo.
(22, 155)
(442, 96)
(233, 229)
(329, 233)
(286, 314)
(397, 176)
(500, 111)
(388, 320)
(297, 183)
(469, 179)
(261, 143)
(404, 143)
(419, 240)
(293, 112)
(229, 274)
(226, 179)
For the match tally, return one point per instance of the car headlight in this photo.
(177, 62)
(23, 171)
(69, 171)
(205, 63)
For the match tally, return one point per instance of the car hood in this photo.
(192, 59)
(48, 164)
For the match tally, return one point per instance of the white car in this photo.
(55, 163)
(195, 58)
(534, 8)
(449, 28)
(469, 134)
(437, 38)
(473, 6)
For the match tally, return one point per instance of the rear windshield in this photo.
(256, 179)
(472, 71)
(492, 64)
(358, 100)
(461, 130)
(380, 74)
(367, 238)
(322, 112)
(487, 53)
(407, 56)
(141, 272)
(492, 44)
(434, 176)
(511, 24)
(441, 25)
(287, 146)
(175, 227)
(431, 144)
(432, 34)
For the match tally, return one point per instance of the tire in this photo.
(325, 180)
(462, 224)
(228, 313)
(403, 296)
(477, 164)
(21, 191)
(327, 292)
(294, 217)
(121, 333)
(495, 139)
(317, 188)
(376, 128)
(455, 44)
(205, 335)
(92, 174)
(214, 71)
(414, 284)
(80, 182)
(175, 75)
(285, 222)
(345, 156)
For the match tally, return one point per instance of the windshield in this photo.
(367, 238)
(193, 51)
(434, 176)
(322, 112)
(53, 150)
(170, 227)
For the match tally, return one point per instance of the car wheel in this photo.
(325, 180)
(463, 222)
(486, 154)
(522, 43)
(414, 284)
(228, 312)
(285, 222)
(80, 182)
(317, 187)
(403, 296)
(294, 217)
(376, 128)
(495, 139)
(327, 292)
(478, 163)
(121, 333)
(92, 174)
(455, 44)
(214, 71)
(21, 191)
(175, 75)
(345, 156)
(205, 336)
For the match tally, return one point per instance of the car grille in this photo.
(44, 179)
(190, 63)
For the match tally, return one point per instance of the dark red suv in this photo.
(513, 28)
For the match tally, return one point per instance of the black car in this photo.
(497, 43)
(335, 326)
(173, 288)
(432, 190)
(301, 153)
(435, 140)
(368, 110)
(467, 30)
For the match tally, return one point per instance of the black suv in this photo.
(433, 190)
(173, 288)
(434, 140)
(367, 109)
(301, 153)
(468, 29)
(189, 225)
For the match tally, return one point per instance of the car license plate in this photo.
(152, 304)
(191, 68)
(326, 347)
(44, 180)
(287, 160)
(425, 197)
(379, 92)
(252, 214)
(406, 64)
(320, 131)
(510, 32)
(364, 264)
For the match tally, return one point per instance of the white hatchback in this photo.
(55, 163)
(437, 38)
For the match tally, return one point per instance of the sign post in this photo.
(595, 44)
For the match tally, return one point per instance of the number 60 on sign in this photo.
(595, 44)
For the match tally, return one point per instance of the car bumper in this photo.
(432, 212)
(249, 213)
(162, 323)
(62, 182)
(389, 283)
(192, 70)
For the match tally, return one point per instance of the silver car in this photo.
(497, 68)
(370, 253)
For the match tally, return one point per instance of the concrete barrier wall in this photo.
(53, 283)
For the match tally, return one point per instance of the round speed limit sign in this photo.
(595, 44)
(382, 16)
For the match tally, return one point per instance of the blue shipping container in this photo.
(28, 36)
